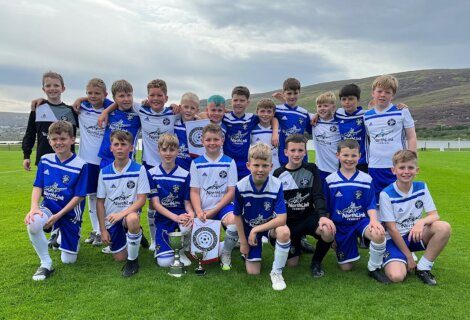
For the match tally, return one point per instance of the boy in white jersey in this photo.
(326, 135)
(61, 180)
(260, 209)
(389, 130)
(122, 190)
(401, 208)
(350, 198)
(169, 194)
(263, 132)
(213, 180)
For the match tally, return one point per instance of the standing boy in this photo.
(306, 208)
(61, 180)
(401, 208)
(213, 180)
(260, 209)
(351, 201)
(389, 130)
(122, 190)
(52, 110)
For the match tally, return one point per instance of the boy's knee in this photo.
(282, 234)
(327, 236)
(68, 258)
(253, 272)
(442, 227)
(36, 226)
(395, 275)
(133, 222)
(228, 220)
(293, 262)
(346, 266)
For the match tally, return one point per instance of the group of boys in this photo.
(334, 201)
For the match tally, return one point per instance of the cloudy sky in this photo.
(210, 46)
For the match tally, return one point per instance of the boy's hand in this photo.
(105, 237)
(30, 215)
(102, 120)
(145, 102)
(314, 119)
(114, 217)
(275, 139)
(402, 106)
(376, 227)
(278, 96)
(27, 164)
(36, 103)
(410, 263)
(244, 248)
(176, 108)
(201, 216)
(188, 218)
(252, 241)
(52, 220)
(416, 233)
(326, 224)
(76, 105)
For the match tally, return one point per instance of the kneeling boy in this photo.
(122, 190)
(259, 209)
(401, 207)
(61, 180)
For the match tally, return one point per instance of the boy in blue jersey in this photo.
(351, 200)
(61, 180)
(213, 180)
(389, 130)
(401, 209)
(326, 135)
(122, 190)
(169, 194)
(189, 108)
(260, 209)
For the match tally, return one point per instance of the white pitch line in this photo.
(12, 171)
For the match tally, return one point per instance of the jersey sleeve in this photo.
(194, 181)
(101, 191)
(280, 203)
(428, 202)
(136, 107)
(386, 209)
(237, 203)
(152, 185)
(143, 182)
(186, 188)
(39, 181)
(232, 174)
(408, 121)
(30, 136)
(80, 189)
(370, 198)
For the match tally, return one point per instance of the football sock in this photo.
(39, 241)
(151, 221)
(281, 251)
(68, 257)
(376, 252)
(92, 212)
(425, 264)
(231, 238)
(133, 245)
(320, 250)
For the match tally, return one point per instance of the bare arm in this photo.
(103, 118)
(416, 233)
(411, 140)
(76, 104)
(138, 203)
(244, 248)
(195, 197)
(100, 213)
(226, 199)
(279, 220)
(164, 211)
(68, 207)
(275, 136)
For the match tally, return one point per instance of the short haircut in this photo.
(404, 156)
(386, 82)
(53, 75)
(260, 151)
(266, 103)
(296, 138)
(121, 86)
(60, 127)
(291, 84)
(349, 144)
(241, 91)
(327, 97)
(121, 135)
(96, 82)
(168, 140)
(351, 89)
(158, 83)
(212, 128)
(189, 96)
(217, 100)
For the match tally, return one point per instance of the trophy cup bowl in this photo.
(200, 255)
(175, 240)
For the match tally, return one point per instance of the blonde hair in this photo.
(157, 83)
(260, 151)
(404, 156)
(52, 75)
(212, 128)
(59, 127)
(386, 82)
(266, 103)
(189, 96)
(121, 135)
(96, 82)
(326, 98)
(168, 140)
(121, 86)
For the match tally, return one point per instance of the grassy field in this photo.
(94, 289)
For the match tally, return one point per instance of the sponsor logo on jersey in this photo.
(118, 125)
(351, 134)
(122, 200)
(183, 152)
(65, 179)
(381, 137)
(298, 202)
(391, 122)
(292, 130)
(407, 223)
(259, 220)
(322, 139)
(52, 192)
(155, 135)
(130, 184)
(216, 190)
(170, 201)
(95, 131)
(419, 204)
(239, 137)
(223, 174)
(352, 212)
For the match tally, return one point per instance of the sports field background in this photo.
(94, 289)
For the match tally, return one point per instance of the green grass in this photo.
(94, 289)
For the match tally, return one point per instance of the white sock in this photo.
(281, 251)
(231, 238)
(376, 252)
(151, 222)
(425, 264)
(92, 212)
(133, 244)
(39, 241)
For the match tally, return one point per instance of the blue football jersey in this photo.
(183, 159)
(351, 126)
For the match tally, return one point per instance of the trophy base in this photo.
(176, 272)
(200, 272)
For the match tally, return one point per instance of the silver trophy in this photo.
(175, 240)
(200, 255)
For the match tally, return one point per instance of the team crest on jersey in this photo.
(130, 184)
(333, 128)
(223, 174)
(267, 206)
(391, 122)
(301, 121)
(65, 179)
(419, 204)
(130, 116)
(358, 194)
(166, 121)
(65, 118)
(358, 121)
(176, 188)
(245, 126)
(304, 182)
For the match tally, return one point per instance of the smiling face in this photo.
(382, 97)
(189, 109)
(53, 89)
(349, 103)
(291, 97)
(348, 159)
(295, 152)
(265, 116)
(239, 104)
(405, 171)
(96, 96)
(124, 100)
(259, 169)
(61, 143)
(156, 99)
(215, 113)
(168, 155)
(213, 143)
(326, 110)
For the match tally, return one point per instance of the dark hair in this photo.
(241, 91)
(350, 90)
(296, 138)
(348, 143)
(291, 84)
